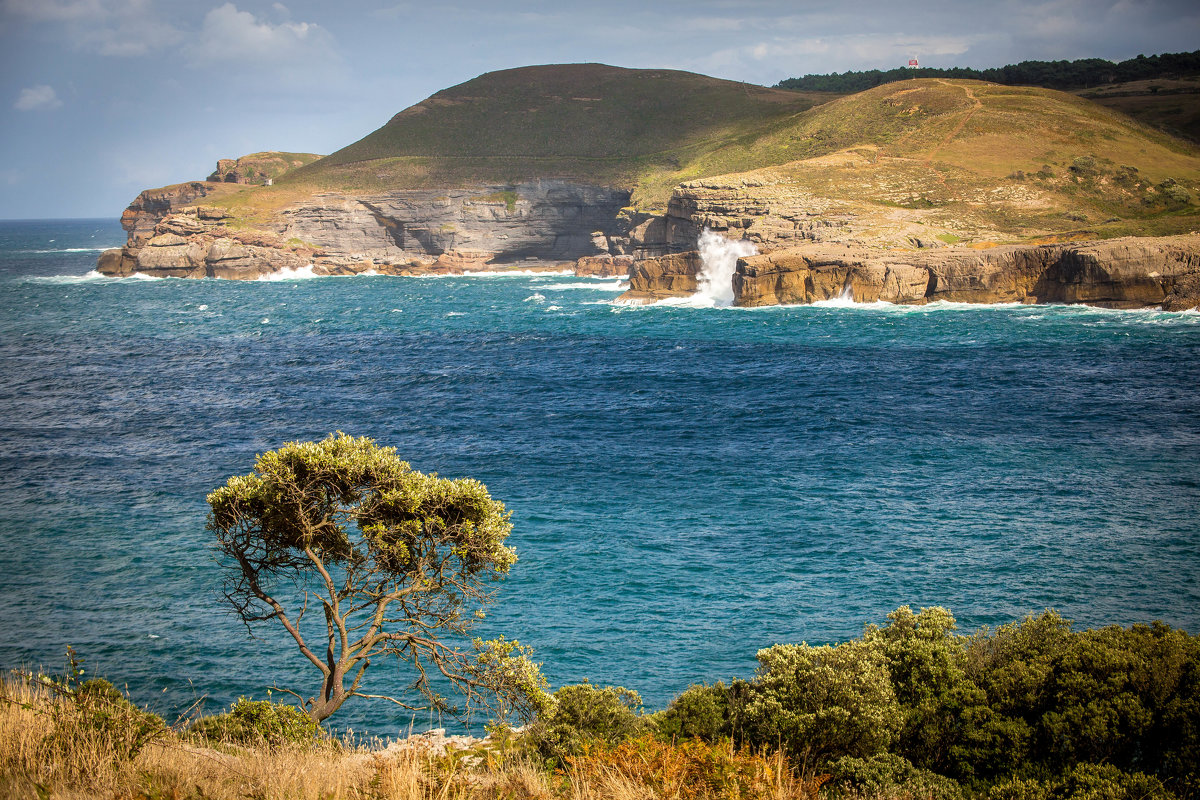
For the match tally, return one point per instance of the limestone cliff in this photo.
(537, 224)
(1130, 272)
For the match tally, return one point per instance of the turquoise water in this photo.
(688, 484)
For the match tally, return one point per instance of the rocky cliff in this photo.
(1130, 272)
(406, 232)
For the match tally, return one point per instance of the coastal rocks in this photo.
(1118, 273)
(149, 207)
(537, 221)
(656, 279)
(195, 244)
(604, 266)
(768, 214)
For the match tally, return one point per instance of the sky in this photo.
(100, 99)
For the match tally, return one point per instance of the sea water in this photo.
(689, 484)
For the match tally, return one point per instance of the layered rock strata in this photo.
(1131, 272)
(537, 225)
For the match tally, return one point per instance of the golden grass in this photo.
(49, 752)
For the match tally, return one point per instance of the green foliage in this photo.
(890, 775)
(1084, 782)
(819, 703)
(584, 714)
(95, 708)
(1061, 75)
(700, 712)
(913, 705)
(398, 561)
(258, 722)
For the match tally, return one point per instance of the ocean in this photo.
(688, 484)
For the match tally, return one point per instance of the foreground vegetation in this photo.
(912, 709)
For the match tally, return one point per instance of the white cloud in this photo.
(230, 35)
(37, 98)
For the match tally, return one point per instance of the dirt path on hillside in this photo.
(957, 128)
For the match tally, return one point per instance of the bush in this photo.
(818, 703)
(259, 722)
(584, 715)
(700, 712)
(890, 775)
(1084, 782)
(103, 709)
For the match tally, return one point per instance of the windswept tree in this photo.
(398, 563)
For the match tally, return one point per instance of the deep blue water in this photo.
(688, 485)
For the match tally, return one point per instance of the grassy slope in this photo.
(1172, 105)
(982, 160)
(979, 160)
(608, 125)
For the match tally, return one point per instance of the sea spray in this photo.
(718, 257)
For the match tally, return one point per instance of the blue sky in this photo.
(102, 98)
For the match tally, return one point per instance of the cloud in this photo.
(230, 35)
(124, 28)
(37, 98)
(54, 10)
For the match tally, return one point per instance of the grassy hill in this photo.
(983, 160)
(590, 122)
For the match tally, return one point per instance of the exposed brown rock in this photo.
(657, 279)
(1120, 273)
(604, 266)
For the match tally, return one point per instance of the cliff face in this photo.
(540, 222)
(536, 221)
(1117, 273)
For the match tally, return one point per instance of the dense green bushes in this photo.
(1064, 75)
(258, 722)
(1029, 711)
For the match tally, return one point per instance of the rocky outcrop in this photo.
(539, 224)
(546, 220)
(1118, 273)
(152, 205)
(1130, 272)
(770, 214)
(605, 266)
(655, 279)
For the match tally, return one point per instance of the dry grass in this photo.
(49, 751)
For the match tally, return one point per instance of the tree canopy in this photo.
(400, 564)
(1062, 75)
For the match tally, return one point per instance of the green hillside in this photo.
(982, 160)
(585, 121)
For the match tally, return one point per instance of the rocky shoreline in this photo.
(808, 253)
(1129, 272)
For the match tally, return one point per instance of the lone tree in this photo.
(399, 562)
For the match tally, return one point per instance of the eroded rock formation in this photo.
(1117, 273)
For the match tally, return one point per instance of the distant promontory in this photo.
(912, 191)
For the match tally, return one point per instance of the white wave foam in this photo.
(67, 250)
(90, 277)
(299, 274)
(606, 286)
(718, 257)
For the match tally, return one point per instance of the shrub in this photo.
(584, 714)
(889, 775)
(700, 712)
(1084, 782)
(819, 703)
(259, 722)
